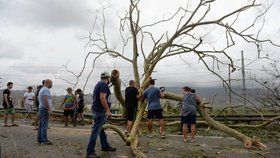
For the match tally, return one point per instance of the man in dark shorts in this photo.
(153, 95)
(131, 103)
(69, 104)
(188, 112)
(101, 109)
(8, 105)
(80, 106)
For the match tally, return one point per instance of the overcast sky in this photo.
(37, 37)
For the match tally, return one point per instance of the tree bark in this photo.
(135, 127)
(115, 79)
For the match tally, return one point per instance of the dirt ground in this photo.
(71, 142)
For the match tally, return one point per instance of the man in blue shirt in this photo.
(101, 110)
(153, 95)
(45, 106)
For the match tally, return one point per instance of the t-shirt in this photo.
(189, 104)
(152, 95)
(69, 101)
(100, 87)
(131, 100)
(44, 92)
(10, 101)
(29, 97)
(81, 100)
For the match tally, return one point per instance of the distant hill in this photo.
(219, 94)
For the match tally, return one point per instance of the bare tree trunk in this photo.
(134, 130)
(117, 89)
(132, 140)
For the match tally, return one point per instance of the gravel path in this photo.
(20, 142)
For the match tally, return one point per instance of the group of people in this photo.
(101, 104)
(73, 105)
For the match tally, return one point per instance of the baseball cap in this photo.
(105, 74)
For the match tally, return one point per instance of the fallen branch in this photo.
(135, 150)
(133, 144)
(248, 142)
(116, 129)
(265, 123)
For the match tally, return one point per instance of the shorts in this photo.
(68, 112)
(9, 111)
(80, 109)
(131, 113)
(189, 119)
(28, 107)
(155, 114)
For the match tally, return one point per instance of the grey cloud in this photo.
(36, 69)
(53, 13)
(9, 51)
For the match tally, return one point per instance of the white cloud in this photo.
(38, 37)
(9, 50)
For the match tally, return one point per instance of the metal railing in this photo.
(118, 117)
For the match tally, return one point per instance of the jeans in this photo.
(97, 130)
(43, 125)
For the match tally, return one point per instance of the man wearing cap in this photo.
(69, 104)
(101, 110)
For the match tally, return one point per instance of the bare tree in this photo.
(181, 41)
(269, 95)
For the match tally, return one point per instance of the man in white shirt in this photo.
(28, 99)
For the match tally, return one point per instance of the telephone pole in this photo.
(243, 80)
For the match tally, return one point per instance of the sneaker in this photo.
(47, 143)
(74, 125)
(193, 140)
(162, 136)
(6, 125)
(109, 149)
(150, 135)
(66, 125)
(15, 125)
(184, 140)
(94, 155)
